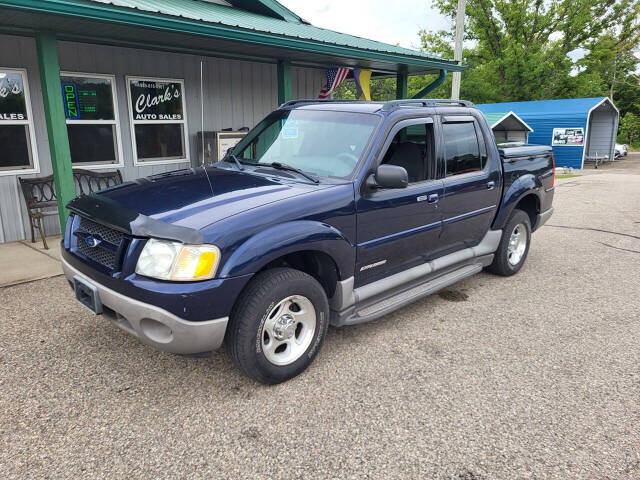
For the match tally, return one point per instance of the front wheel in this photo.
(514, 245)
(278, 325)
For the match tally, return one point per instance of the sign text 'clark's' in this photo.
(160, 101)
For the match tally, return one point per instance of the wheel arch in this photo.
(313, 247)
(522, 194)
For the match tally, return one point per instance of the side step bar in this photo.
(400, 299)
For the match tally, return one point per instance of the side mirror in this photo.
(389, 176)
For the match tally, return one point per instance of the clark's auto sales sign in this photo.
(156, 100)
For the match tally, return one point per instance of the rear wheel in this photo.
(278, 325)
(514, 245)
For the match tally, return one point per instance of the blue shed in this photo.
(578, 129)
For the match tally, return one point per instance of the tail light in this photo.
(553, 165)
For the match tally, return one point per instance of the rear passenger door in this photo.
(399, 228)
(472, 185)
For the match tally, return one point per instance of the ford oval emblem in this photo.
(92, 241)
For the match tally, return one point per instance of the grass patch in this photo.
(568, 175)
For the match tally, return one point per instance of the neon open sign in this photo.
(70, 98)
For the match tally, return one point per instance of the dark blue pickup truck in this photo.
(325, 213)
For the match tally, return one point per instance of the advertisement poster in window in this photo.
(17, 142)
(158, 119)
(156, 100)
(12, 102)
(568, 137)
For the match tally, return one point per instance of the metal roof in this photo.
(211, 13)
(562, 107)
(495, 118)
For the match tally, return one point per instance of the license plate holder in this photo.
(87, 294)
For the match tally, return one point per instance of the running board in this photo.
(403, 298)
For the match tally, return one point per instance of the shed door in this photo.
(601, 136)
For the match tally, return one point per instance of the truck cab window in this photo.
(412, 149)
(461, 148)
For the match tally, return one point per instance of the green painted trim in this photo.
(109, 13)
(272, 6)
(402, 84)
(47, 48)
(269, 8)
(284, 82)
(281, 10)
(433, 85)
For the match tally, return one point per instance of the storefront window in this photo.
(92, 123)
(16, 128)
(158, 120)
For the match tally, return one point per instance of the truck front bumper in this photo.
(152, 325)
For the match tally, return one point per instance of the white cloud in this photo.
(391, 21)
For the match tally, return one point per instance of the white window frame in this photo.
(133, 123)
(29, 122)
(115, 121)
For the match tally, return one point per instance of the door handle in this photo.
(431, 198)
(491, 185)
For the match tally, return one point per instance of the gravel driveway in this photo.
(534, 376)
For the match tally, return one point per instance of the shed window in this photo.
(92, 119)
(158, 120)
(16, 124)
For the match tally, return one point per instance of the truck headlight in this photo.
(178, 262)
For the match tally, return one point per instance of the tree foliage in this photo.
(629, 131)
(527, 50)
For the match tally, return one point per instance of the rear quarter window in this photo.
(464, 152)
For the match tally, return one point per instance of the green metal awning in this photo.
(267, 35)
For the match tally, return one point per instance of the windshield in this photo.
(323, 143)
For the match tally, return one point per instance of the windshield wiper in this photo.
(231, 157)
(289, 168)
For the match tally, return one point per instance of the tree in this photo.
(629, 131)
(523, 50)
(523, 46)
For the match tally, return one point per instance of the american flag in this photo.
(335, 77)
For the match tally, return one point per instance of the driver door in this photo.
(399, 228)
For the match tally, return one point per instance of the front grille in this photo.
(107, 251)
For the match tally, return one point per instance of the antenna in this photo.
(202, 106)
(202, 122)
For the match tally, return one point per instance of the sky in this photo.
(372, 18)
(375, 20)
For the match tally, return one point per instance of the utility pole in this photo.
(457, 53)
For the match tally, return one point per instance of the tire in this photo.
(275, 309)
(508, 260)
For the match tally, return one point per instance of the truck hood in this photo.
(188, 198)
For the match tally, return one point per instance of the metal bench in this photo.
(40, 195)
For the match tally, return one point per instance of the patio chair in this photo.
(40, 195)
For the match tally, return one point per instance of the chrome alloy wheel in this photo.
(288, 330)
(517, 244)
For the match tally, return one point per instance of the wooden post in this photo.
(47, 46)
(284, 82)
(402, 80)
